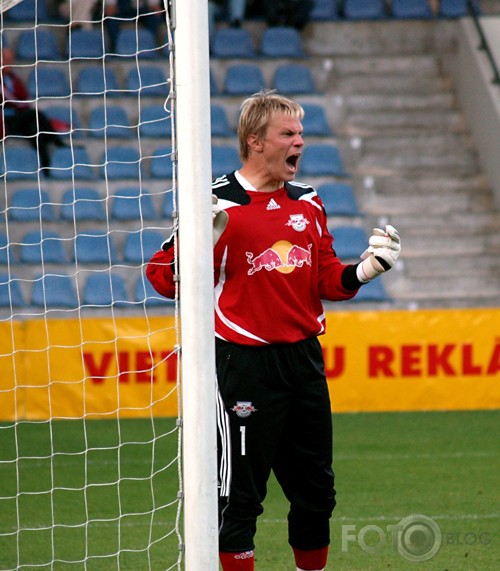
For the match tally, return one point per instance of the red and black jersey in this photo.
(273, 265)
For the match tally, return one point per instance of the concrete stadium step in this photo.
(419, 143)
(416, 65)
(393, 84)
(470, 288)
(415, 121)
(461, 162)
(438, 266)
(435, 184)
(400, 102)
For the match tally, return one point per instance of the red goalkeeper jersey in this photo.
(274, 263)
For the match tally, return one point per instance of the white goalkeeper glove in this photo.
(381, 255)
(219, 219)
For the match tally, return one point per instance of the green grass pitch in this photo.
(102, 495)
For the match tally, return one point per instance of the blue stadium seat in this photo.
(54, 291)
(19, 163)
(140, 246)
(7, 252)
(145, 293)
(161, 163)
(81, 204)
(214, 87)
(294, 78)
(457, 8)
(315, 122)
(137, 42)
(10, 291)
(69, 115)
(68, 163)
(243, 79)
(219, 121)
(155, 122)
(349, 241)
(110, 121)
(95, 247)
(148, 80)
(364, 9)
(324, 10)
(373, 291)
(31, 205)
(167, 206)
(322, 160)
(38, 44)
(121, 163)
(338, 199)
(132, 203)
(94, 80)
(233, 43)
(30, 11)
(408, 9)
(225, 159)
(105, 290)
(42, 248)
(86, 44)
(282, 42)
(48, 82)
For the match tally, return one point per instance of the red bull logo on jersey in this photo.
(243, 409)
(281, 256)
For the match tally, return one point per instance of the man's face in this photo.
(281, 147)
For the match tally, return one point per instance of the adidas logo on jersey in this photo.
(272, 205)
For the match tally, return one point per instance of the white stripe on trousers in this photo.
(225, 453)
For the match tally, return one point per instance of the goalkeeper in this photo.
(274, 262)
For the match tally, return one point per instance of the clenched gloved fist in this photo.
(219, 219)
(381, 255)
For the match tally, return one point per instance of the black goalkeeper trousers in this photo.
(274, 414)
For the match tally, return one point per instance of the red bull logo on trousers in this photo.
(281, 256)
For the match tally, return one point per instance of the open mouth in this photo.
(292, 161)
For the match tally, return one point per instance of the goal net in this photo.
(90, 425)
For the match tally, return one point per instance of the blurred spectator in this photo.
(231, 11)
(20, 118)
(292, 13)
(79, 13)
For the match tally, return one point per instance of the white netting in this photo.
(89, 427)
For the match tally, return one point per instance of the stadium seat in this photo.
(315, 122)
(349, 242)
(48, 82)
(282, 42)
(214, 87)
(148, 80)
(338, 199)
(167, 206)
(81, 204)
(110, 121)
(10, 291)
(219, 121)
(155, 122)
(407, 9)
(145, 293)
(54, 291)
(140, 246)
(457, 8)
(42, 248)
(31, 205)
(137, 42)
(225, 159)
(86, 44)
(243, 79)
(38, 44)
(19, 163)
(30, 11)
(7, 253)
(324, 10)
(373, 291)
(321, 160)
(132, 203)
(68, 115)
(294, 78)
(161, 163)
(68, 163)
(364, 9)
(94, 247)
(121, 163)
(105, 290)
(233, 43)
(94, 80)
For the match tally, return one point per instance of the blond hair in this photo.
(256, 113)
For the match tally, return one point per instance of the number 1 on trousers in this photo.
(243, 441)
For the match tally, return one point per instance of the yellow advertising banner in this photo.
(375, 361)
